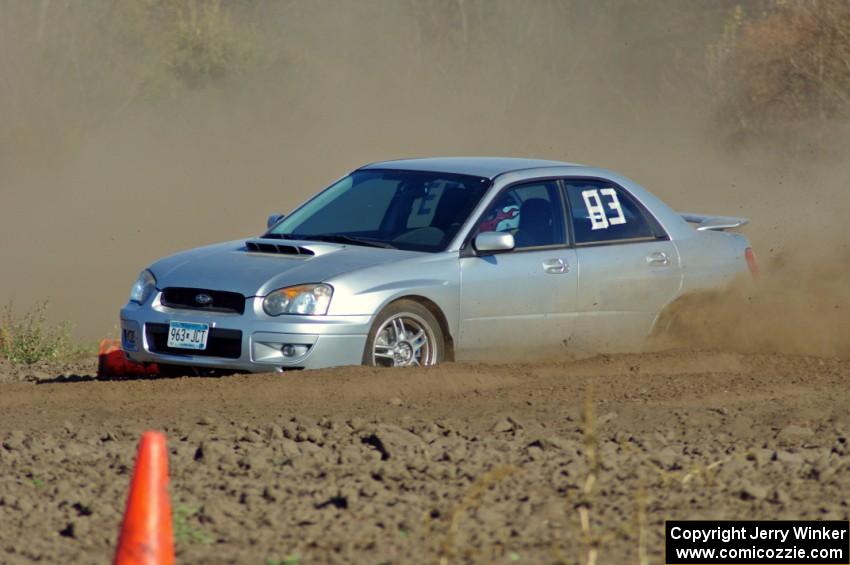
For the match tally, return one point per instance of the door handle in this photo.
(658, 259)
(556, 266)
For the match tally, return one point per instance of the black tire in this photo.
(415, 312)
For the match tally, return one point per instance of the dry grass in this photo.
(643, 532)
(27, 339)
(789, 65)
(591, 444)
(471, 500)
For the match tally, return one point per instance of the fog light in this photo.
(129, 339)
(290, 350)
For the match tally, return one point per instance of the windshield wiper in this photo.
(340, 238)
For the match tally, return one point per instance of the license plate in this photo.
(188, 335)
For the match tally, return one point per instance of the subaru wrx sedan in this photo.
(416, 262)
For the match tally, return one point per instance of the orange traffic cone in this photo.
(146, 537)
(112, 362)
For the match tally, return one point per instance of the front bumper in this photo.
(250, 342)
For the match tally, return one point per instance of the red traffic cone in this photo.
(146, 537)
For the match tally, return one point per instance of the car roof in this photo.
(489, 167)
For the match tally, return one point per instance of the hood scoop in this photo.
(277, 248)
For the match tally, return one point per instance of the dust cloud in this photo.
(115, 151)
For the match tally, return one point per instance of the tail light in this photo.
(751, 262)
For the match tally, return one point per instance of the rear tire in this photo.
(682, 322)
(405, 334)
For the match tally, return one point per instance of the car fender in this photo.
(433, 277)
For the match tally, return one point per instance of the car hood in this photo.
(234, 267)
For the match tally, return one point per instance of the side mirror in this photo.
(273, 219)
(493, 242)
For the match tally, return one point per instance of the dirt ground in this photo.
(459, 463)
(112, 157)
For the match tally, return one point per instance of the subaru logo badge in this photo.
(203, 299)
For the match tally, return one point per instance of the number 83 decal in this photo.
(593, 200)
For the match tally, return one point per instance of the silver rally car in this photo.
(420, 261)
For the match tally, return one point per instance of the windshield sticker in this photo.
(596, 208)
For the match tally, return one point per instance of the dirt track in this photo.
(111, 157)
(471, 463)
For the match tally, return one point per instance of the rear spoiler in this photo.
(704, 223)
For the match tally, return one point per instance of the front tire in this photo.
(405, 334)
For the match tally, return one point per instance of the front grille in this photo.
(220, 343)
(219, 300)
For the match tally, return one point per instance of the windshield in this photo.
(412, 210)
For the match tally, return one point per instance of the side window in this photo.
(533, 213)
(602, 212)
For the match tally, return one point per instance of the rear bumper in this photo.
(316, 341)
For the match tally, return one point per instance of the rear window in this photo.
(602, 212)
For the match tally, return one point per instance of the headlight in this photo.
(143, 287)
(309, 299)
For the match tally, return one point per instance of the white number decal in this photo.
(614, 205)
(593, 202)
(599, 219)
